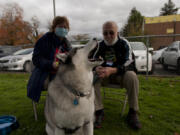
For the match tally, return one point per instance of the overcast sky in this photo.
(87, 16)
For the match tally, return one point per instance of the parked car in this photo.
(157, 55)
(140, 52)
(8, 50)
(171, 56)
(77, 45)
(20, 60)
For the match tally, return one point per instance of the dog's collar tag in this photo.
(75, 102)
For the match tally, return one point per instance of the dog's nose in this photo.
(94, 38)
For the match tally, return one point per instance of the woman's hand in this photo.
(55, 65)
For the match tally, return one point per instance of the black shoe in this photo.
(99, 119)
(133, 121)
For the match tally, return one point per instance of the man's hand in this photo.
(103, 72)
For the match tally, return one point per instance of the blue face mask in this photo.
(61, 32)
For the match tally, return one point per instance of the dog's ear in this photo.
(66, 58)
(62, 57)
(70, 55)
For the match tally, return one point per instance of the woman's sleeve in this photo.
(39, 60)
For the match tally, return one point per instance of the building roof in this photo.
(162, 19)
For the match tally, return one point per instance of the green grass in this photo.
(159, 101)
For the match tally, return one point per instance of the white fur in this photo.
(59, 109)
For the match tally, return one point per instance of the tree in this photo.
(13, 29)
(133, 27)
(35, 33)
(49, 24)
(168, 9)
(81, 37)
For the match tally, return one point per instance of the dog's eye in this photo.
(78, 48)
(73, 50)
(68, 60)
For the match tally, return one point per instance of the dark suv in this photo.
(8, 50)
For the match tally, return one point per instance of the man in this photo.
(117, 57)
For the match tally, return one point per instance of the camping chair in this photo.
(106, 90)
(34, 110)
(34, 104)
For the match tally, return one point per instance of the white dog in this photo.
(69, 105)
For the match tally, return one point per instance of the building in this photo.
(162, 25)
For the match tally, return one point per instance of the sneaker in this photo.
(99, 120)
(133, 121)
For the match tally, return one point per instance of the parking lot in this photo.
(161, 72)
(169, 55)
(158, 71)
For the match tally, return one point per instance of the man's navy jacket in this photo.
(43, 57)
(120, 55)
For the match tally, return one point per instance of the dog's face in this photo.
(82, 57)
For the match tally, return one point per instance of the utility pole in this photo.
(54, 7)
(143, 26)
(174, 23)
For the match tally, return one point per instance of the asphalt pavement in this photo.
(159, 70)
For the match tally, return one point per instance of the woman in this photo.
(44, 56)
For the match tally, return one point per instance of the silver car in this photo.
(171, 56)
(20, 60)
(157, 55)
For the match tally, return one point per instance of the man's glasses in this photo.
(105, 33)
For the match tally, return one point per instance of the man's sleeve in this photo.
(128, 55)
(126, 58)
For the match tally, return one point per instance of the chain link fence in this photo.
(165, 62)
(161, 57)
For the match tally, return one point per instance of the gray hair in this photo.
(110, 23)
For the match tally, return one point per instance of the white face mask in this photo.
(111, 44)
